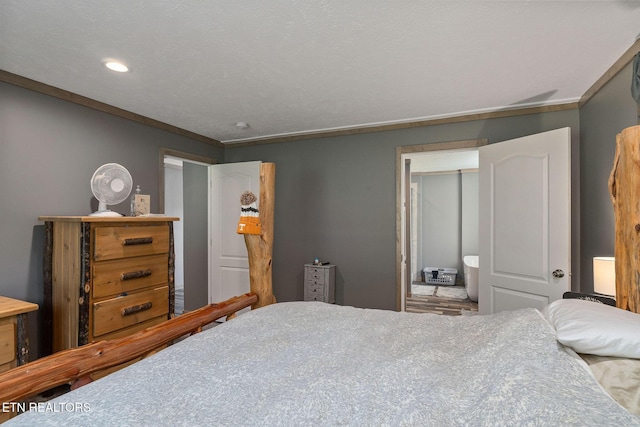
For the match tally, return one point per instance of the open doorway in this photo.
(183, 193)
(433, 179)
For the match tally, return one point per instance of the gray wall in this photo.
(174, 206)
(470, 212)
(196, 271)
(49, 150)
(447, 219)
(439, 215)
(335, 199)
(601, 119)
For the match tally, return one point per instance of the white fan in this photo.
(111, 184)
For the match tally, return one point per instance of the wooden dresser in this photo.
(105, 277)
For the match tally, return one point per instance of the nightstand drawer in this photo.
(314, 296)
(117, 313)
(123, 242)
(7, 343)
(314, 277)
(315, 289)
(126, 275)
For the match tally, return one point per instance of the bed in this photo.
(312, 363)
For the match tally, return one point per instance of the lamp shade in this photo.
(604, 275)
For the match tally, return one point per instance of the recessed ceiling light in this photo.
(116, 66)
(242, 125)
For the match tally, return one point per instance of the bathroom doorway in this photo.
(437, 224)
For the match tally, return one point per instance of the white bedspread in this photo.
(308, 363)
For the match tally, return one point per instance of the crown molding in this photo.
(65, 95)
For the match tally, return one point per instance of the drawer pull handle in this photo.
(136, 309)
(137, 241)
(135, 274)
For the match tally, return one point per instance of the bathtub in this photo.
(471, 264)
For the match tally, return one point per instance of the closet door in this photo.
(228, 259)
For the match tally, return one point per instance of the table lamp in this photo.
(604, 275)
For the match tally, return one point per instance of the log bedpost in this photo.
(624, 189)
(260, 246)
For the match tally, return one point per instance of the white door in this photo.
(525, 222)
(228, 260)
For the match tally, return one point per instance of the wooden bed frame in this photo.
(623, 188)
(74, 366)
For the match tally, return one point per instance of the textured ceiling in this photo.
(294, 67)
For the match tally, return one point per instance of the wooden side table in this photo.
(14, 339)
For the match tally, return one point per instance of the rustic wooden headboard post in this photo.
(260, 246)
(624, 188)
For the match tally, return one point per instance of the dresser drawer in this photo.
(315, 289)
(117, 313)
(125, 332)
(7, 343)
(315, 296)
(315, 276)
(130, 241)
(125, 275)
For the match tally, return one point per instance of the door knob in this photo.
(558, 273)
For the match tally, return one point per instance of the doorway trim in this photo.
(409, 149)
(181, 155)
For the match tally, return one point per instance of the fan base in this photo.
(105, 213)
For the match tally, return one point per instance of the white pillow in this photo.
(593, 328)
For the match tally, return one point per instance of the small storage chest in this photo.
(320, 283)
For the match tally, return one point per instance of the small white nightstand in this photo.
(320, 283)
